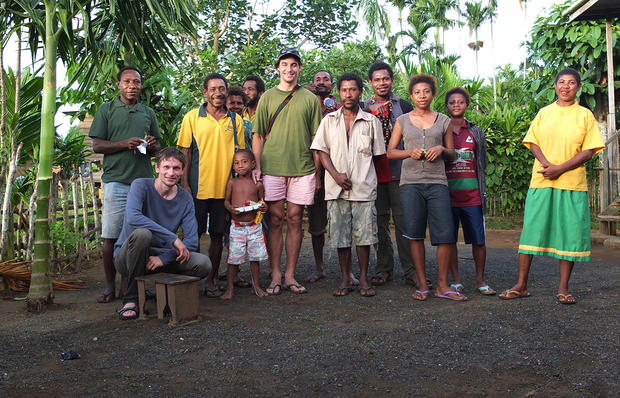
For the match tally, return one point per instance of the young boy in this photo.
(246, 235)
(347, 140)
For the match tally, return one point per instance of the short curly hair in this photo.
(236, 90)
(457, 90)
(423, 78)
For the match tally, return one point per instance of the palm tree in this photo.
(436, 11)
(417, 34)
(144, 34)
(376, 17)
(475, 14)
(523, 5)
(492, 13)
(400, 4)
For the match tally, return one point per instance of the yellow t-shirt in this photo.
(213, 146)
(562, 132)
(246, 115)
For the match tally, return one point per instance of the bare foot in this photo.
(315, 277)
(228, 294)
(259, 292)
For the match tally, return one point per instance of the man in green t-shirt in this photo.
(127, 133)
(281, 145)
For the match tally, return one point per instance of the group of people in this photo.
(248, 152)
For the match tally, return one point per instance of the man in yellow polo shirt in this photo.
(207, 139)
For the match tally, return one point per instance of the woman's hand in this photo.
(417, 153)
(433, 153)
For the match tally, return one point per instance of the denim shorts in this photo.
(113, 212)
(424, 203)
(472, 220)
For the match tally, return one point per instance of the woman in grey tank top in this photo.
(424, 191)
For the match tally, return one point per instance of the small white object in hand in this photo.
(142, 147)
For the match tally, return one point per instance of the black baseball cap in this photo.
(288, 52)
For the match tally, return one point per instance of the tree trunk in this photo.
(7, 218)
(95, 198)
(53, 210)
(76, 218)
(31, 220)
(493, 63)
(3, 150)
(82, 251)
(65, 201)
(18, 72)
(525, 25)
(476, 49)
(76, 206)
(19, 231)
(40, 293)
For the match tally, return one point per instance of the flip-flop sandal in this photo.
(486, 290)
(242, 284)
(514, 294)
(367, 291)
(105, 297)
(379, 280)
(412, 282)
(342, 291)
(273, 291)
(566, 298)
(296, 286)
(446, 295)
(314, 278)
(458, 287)
(424, 294)
(125, 309)
(213, 293)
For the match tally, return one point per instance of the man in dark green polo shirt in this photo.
(127, 133)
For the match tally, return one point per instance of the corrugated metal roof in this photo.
(586, 10)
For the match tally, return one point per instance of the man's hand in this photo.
(153, 263)
(133, 142)
(311, 87)
(417, 153)
(256, 174)
(263, 207)
(377, 109)
(552, 171)
(150, 142)
(318, 183)
(433, 153)
(342, 180)
(182, 252)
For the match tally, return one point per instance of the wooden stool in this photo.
(179, 292)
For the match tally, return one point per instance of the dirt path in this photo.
(319, 345)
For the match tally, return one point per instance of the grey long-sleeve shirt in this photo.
(147, 209)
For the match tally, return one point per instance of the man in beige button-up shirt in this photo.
(347, 140)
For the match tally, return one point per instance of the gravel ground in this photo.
(320, 345)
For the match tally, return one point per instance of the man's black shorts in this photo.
(214, 211)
